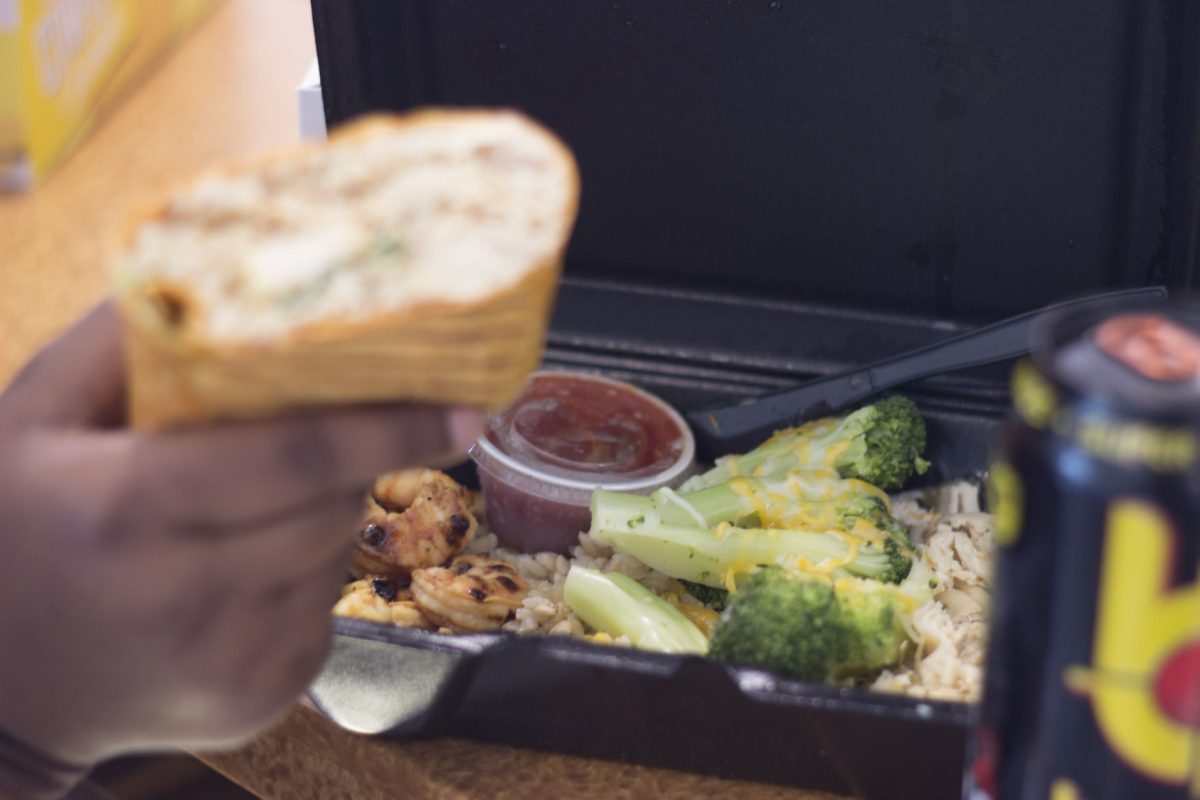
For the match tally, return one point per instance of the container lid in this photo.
(902, 157)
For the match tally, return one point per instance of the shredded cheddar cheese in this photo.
(833, 452)
(736, 569)
(701, 616)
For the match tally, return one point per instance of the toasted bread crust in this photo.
(475, 353)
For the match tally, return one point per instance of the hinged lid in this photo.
(949, 160)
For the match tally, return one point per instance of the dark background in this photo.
(946, 158)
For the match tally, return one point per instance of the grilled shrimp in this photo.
(379, 600)
(415, 518)
(474, 593)
(476, 504)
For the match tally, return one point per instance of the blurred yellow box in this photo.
(63, 63)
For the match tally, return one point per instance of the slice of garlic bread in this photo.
(412, 257)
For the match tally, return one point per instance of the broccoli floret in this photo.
(816, 500)
(880, 444)
(788, 625)
(714, 598)
(873, 511)
(676, 544)
(813, 629)
(900, 562)
(887, 450)
(801, 498)
(876, 614)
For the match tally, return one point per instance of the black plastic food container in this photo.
(776, 189)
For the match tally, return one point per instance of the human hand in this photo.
(173, 589)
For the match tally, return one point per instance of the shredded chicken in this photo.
(959, 550)
(949, 658)
(391, 215)
(952, 628)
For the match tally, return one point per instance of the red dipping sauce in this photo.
(565, 435)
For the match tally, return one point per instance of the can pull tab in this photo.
(1151, 345)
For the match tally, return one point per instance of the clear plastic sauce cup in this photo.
(564, 436)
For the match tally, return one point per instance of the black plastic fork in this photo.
(742, 426)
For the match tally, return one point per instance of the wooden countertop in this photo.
(229, 93)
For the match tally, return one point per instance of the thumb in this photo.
(235, 472)
(77, 380)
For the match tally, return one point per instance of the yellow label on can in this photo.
(1006, 499)
(1144, 679)
(1033, 396)
(1162, 449)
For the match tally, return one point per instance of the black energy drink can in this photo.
(1093, 673)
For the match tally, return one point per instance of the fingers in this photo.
(77, 380)
(234, 478)
(228, 596)
(210, 479)
(276, 558)
(266, 647)
(295, 631)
